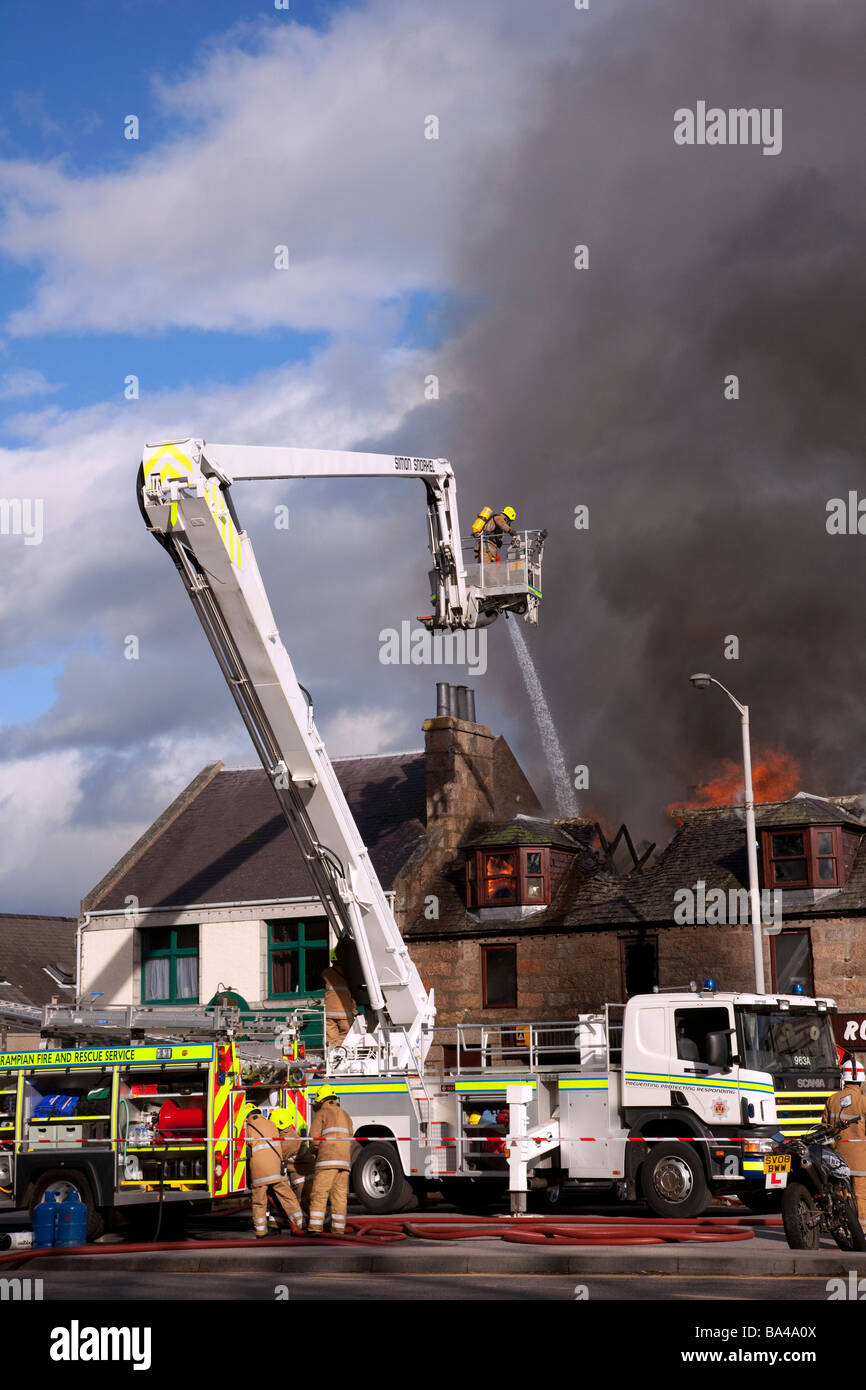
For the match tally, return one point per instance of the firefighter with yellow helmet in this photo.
(331, 1136)
(268, 1150)
(300, 1162)
(489, 528)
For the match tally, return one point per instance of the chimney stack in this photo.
(455, 702)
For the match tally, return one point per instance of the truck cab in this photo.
(711, 1075)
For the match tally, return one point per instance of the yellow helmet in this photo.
(249, 1109)
(280, 1117)
(323, 1093)
(510, 513)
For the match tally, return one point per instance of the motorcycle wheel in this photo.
(799, 1218)
(850, 1235)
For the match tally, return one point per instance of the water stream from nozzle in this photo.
(566, 801)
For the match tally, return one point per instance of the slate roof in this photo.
(26, 945)
(229, 843)
(525, 830)
(709, 844)
(803, 809)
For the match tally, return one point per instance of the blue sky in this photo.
(155, 258)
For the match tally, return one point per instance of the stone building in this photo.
(507, 914)
(215, 894)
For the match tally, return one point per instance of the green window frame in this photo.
(302, 939)
(171, 944)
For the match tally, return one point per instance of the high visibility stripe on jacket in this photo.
(268, 1148)
(331, 1136)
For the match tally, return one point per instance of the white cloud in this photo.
(51, 854)
(25, 381)
(316, 142)
(351, 732)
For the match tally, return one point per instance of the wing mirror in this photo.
(718, 1051)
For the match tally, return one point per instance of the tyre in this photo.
(61, 1181)
(800, 1218)
(761, 1202)
(378, 1180)
(672, 1181)
(851, 1235)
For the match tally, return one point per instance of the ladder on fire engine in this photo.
(133, 1024)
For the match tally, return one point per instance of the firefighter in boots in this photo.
(268, 1151)
(851, 1144)
(331, 1137)
(299, 1163)
(489, 529)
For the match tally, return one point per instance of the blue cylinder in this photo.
(45, 1220)
(71, 1221)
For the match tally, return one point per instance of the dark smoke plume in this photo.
(606, 387)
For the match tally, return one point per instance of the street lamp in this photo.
(702, 681)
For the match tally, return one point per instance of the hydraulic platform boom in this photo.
(184, 493)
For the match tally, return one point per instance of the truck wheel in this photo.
(850, 1235)
(60, 1182)
(378, 1180)
(800, 1218)
(672, 1181)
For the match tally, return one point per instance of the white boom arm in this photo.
(184, 497)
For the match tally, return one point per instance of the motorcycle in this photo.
(819, 1201)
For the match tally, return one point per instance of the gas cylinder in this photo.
(45, 1219)
(481, 520)
(182, 1122)
(71, 1221)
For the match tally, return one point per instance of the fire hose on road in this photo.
(376, 1231)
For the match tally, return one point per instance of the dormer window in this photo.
(809, 857)
(507, 878)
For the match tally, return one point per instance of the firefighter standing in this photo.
(267, 1151)
(299, 1163)
(491, 531)
(331, 1136)
(852, 1147)
(339, 1007)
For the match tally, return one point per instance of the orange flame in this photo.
(775, 777)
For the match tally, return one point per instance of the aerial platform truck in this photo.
(672, 1096)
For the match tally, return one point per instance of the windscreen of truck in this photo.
(773, 1041)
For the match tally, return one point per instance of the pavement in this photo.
(766, 1256)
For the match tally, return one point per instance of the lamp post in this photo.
(702, 682)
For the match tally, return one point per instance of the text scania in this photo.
(736, 126)
(77, 1343)
(419, 647)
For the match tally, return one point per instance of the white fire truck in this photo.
(672, 1096)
